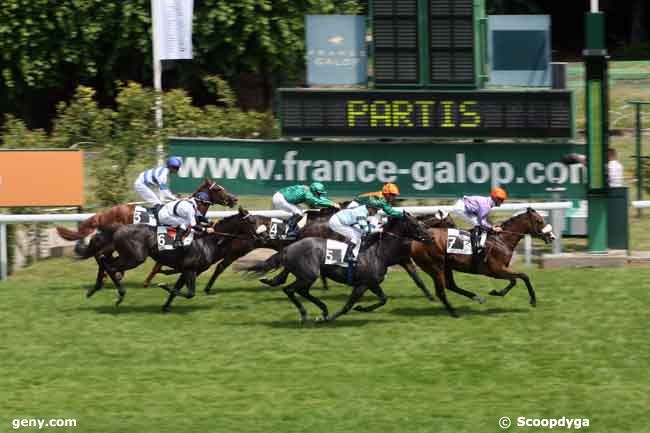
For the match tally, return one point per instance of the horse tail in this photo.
(96, 244)
(270, 264)
(85, 228)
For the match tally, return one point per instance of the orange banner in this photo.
(41, 178)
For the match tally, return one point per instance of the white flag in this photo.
(172, 29)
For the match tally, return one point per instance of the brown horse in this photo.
(499, 247)
(123, 213)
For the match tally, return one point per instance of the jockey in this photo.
(383, 200)
(157, 177)
(475, 209)
(352, 223)
(289, 197)
(185, 215)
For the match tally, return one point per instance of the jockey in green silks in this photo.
(288, 199)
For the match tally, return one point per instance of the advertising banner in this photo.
(421, 169)
(41, 178)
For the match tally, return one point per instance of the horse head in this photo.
(218, 194)
(245, 224)
(530, 222)
(409, 227)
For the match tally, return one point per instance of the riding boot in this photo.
(349, 253)
(178, 239)
(292, 225)
(475, 237)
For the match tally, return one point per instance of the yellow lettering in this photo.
(355, 109)
(376, 116)
(402, 113)
(472, 118)
(425, 112)
(448, 114)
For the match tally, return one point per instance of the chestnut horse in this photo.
(499, 247)
(123, 213)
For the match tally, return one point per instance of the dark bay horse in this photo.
(238, 248)
(135, 242)
(438, 263)
(305, 259)
(123, 213)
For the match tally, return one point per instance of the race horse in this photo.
(305, 259)
(123, 213)
(316, 226)
(435, 260)
(135, 242)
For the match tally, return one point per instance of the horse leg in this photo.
(290, 292)
(304, 292)
(112, 273)
(382, 300)
(508, 274)
(325, 284)
(221, 266)
(505, 290)
(355, 296)
(451, 285)
(173, 292)
(412, 271)
(156, 269)
(281, 278)
(439, 281)
(99, 281)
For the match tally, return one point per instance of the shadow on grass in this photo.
(462, 311)
(342, 322)
(144, 309)
(108, 285)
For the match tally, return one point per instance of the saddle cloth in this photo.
(459, 242)
(146, 216)
(165, 236)
(335, 253)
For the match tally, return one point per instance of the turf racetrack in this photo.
(239, 361)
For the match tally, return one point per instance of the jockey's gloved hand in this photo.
(198, 228)
(202, 219)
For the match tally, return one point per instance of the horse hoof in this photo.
(495, 293)
(119, 301)
(361, 309)
(268, 282)
(90, 292)
(166, 308)
(533, 303)
(478, 299)
(164, 287)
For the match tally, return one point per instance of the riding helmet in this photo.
(317, 188)
(174, 162)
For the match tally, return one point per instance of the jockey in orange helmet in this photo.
(383, 200)
(475, 209)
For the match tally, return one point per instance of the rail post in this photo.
(3, 252)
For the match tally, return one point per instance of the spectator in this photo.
(614, 167)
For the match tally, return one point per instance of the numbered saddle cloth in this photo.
(335, 253)
(142, 215)
(278, 229)
(165, 236)
(459, 242)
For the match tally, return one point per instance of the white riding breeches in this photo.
(281, 203)
(352, 234)
(459, 211)
(146, 193)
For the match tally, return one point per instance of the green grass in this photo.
(239, 361)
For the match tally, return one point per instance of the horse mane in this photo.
(507, 223)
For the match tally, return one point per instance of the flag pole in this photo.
(157, 84)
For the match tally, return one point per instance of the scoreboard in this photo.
(425, 113)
